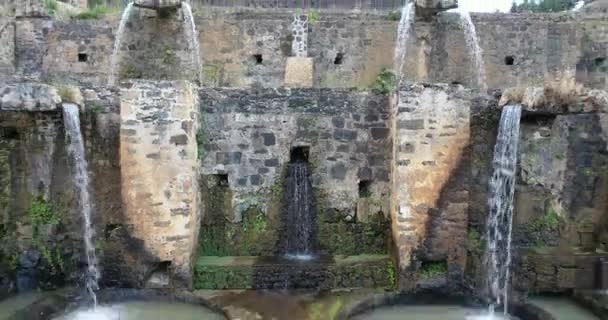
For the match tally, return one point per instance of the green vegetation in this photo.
(543, 5)
(129, 71)
(391, 271)
(93, 13)
(394, 15)
(386, 82)
(95, 108)
(432, 269)
(50, 6)
(313, 17)
(474, 241)
(43, 213)
(550, 220)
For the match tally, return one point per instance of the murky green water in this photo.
(562, 308)
(144, 310)
(11, 305)
(427, 313)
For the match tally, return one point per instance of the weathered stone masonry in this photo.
(158, 156)
(430, 124)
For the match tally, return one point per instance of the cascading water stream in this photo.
(299, 218)
(470, 34)
(408, 14)
(117, 42)
(193, 40)
(500, 217)
(75, 147)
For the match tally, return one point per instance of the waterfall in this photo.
(299, 219)
(193, 40)
(500, 216)
(75, 147)
(408, 14)
(470, 35)
(117, 41)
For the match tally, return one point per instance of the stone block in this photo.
(299, 72)
(29, 97)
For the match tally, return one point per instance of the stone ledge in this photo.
(367, 271)
(30, 97)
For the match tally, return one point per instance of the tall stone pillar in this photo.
(159, 172)
(429, 202)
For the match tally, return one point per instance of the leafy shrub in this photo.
(50, 6)
(42, 212)
(386, 82)
(96, 12)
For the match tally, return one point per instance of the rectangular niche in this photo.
(365, 188)
(220, 180)
(299, 154)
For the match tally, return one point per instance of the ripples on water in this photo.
(143, 311)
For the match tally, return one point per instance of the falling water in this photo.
(75, 148)
(299, 218)
(408, 13)
(470, 34)
(193, 40)
(119, 33)
(500, 218)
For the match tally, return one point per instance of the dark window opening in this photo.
(299, 154)
(258, 58)
(537, 119)
(83, 57)
(9, 133)
(110, 229)
(599, 61)
(163, 266)
(509, 60)
(365, 189)
(456, 83)
(221, 180)
(339, 58)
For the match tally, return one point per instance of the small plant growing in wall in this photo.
(50, 6)
(431, 270)
(313, 17)
(386, 82)
(42, 213)
(394, 15)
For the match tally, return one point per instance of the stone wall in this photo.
(251, 48)
(429, 210)
(158, 157)
(248, 137)
(7, 46)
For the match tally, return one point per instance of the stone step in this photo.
(362, 271)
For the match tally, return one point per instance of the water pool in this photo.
(562, 308)
(428, 313)
(143, 310)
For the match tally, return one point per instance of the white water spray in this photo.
(117, 42)
(75, 147)
(408, 14)
(500, 217)
(470, 34)
(193, 40)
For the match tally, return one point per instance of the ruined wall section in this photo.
(248, 137)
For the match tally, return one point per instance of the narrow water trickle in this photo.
(75, 147)
(500, 216)
(117, 42)
(408, 14)
(193, 43)
(299, 218)
(470, 35)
